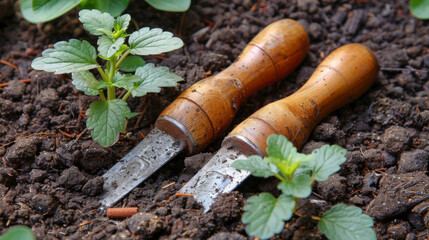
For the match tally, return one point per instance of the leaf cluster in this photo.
(265, 214)
(108, 116)
(37, 11)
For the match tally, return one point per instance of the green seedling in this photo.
(19, 232)
(107, 117)
(420, 8)
(265, 214)
(37, 11)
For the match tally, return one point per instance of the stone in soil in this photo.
(398, 193)
(93, 187)
(145, 225)
(23, 152)
(15, 89)
(71, 178)
(228, 236)
(332, 189)
(416, 160)
(396, 139)
(44, 204)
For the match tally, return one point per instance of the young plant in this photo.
(265, 214)
(107, 117)
(37, 11)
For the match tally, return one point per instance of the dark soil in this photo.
(50, 171)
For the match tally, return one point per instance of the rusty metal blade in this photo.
(216, 177)
(148, 156)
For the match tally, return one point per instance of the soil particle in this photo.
(44, 204)
(49, 98)
(213, 61)
(227, 236)
(375, 159)
(37, 175)
(8, 109)
(195, 162)
(398, 230)
(71, 178)
(396, 139)
(95, 156)
(333, 188)
(398, 193)
(8, 176)
(14, 90)
(47, 160)
(145, 225)
(228, 207)
(23, 152)
(416, 160)
(93, 187)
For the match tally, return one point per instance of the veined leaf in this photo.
(86, 82)
(113, 7)
(328, 160)
(96, 22)
(122, 22)
(153, 41)
(255, 165)
(107, 119)
(346, 222)
(131, 63)
(420, 8)
(67, 57)
(107, 47)
(125, 81)
(153, 78)
(299, 187)
(37, 11)
(265, 214)
(170, 5)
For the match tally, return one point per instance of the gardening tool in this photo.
(203, 112)
(339, 79)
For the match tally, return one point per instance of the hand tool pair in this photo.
(203, 112)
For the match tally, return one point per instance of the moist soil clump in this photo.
(50, 173)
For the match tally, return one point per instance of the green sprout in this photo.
(20, 232)
(265, 214)
(108, 116)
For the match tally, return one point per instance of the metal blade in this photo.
(216, 177)
(148, 156)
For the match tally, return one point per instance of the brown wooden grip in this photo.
(339, 79)
(204, 111)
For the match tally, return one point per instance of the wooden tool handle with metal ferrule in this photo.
(203, 112)
(339, 79)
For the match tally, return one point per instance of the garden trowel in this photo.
(203, 112)
(339, 79)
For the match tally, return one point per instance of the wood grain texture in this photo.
(339, 79)
(207, 108)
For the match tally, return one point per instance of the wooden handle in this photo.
(203, 112)
(339, 79)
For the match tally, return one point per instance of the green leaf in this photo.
(346, 222)
(122, 22)
(420, 8)
(265, 214)
(67, 57)
(37, 11)
(107, 47)
(131, 63)
(299, 187)
(107, 119)
(153, 41)
(113, 7)
(328, 160)
(18, 232)
(86, 82)
(255, 165)
(130, 115)
(96, 22)
(284, 155)
(170, 5)
(153, 78)
(125, 81)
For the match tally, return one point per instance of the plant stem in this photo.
(103, 75)
(280, 177)
(102, 95)
(122, 58)
(111, 89)
(126, 96)
(316, 218)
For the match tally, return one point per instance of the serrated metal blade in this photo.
(148, 156)
(216, 177)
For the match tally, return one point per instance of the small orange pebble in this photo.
(121, 212)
